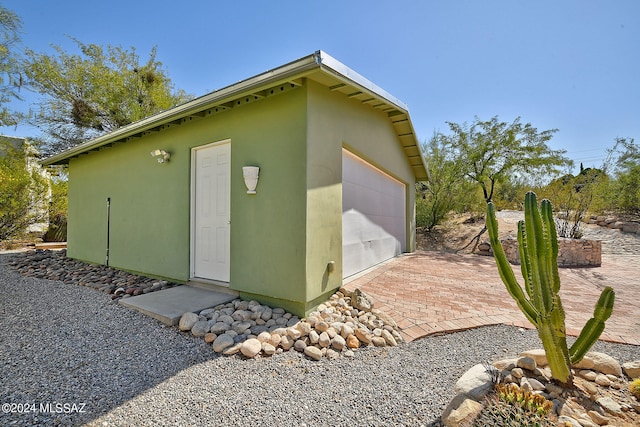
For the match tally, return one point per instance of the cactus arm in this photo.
(525, 262)
(594, 327)
(547, 214)
(504, 268)
(534, 237)
(588, 336)
(531, 250)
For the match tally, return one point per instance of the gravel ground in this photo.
(66, 344)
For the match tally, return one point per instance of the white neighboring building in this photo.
(34, 165)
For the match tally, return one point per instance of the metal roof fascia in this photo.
(330, 62)
(336, 66)
(288, 70)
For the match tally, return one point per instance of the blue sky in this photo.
(571, 65)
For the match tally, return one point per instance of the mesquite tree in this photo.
(10, 78)
(96, 91)
(491, 151)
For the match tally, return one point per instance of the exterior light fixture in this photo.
(161, 155)
(250, 174)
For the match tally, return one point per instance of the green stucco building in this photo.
(337, 158)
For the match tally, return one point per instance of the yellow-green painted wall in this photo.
(282, 238)
(335, 121)
(149, 207)
(150, 202)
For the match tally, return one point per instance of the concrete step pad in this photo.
(170, 304)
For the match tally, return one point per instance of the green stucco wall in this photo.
(282, 238)
(334, 122)
(150, 202)
(149, 207)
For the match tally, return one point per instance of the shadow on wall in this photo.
(365, 243)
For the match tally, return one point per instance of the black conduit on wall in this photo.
(108, 227)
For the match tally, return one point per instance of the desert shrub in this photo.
(434, 209)
(59, 193)
(510, 193)
(573, 197)
(428, 213)
(634, 388)
(622, 192)
(626, 190)
(445, 190)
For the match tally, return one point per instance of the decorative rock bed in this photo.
(345, 323)
(600, 395)
(54, 265)
(632, 227)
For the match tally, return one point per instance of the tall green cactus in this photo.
(538, 244)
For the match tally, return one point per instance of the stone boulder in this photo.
(475, 383)
(461, 412)
(200, 328)
(222, 342)
(361, 301)
(539, 355)
(251, 347)
(187, 321)
(600, 362)
(313, 352)
(632, 369)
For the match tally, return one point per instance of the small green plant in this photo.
(634, 388)
(540, 300)
(532, 402)
(513, 406)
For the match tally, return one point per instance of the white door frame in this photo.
(192, 263)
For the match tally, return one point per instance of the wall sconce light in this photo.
(161, 155)
(250, 174)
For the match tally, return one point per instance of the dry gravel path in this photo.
(67, 344)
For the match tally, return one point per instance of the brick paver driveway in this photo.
(432, 292)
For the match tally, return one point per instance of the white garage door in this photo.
(373, 215)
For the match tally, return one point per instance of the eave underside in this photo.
(398, 116)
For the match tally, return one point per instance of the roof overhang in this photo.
(318, 66)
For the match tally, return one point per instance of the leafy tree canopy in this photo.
(624, 161)
(23, 189)
(97, 91)
(623, 156)
(491, 151)
(446, 188)
(10, 79)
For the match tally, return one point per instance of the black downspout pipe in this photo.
(108, 227)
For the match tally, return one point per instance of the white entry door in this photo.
(211, 218)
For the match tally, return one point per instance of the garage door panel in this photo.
(359, 256)
(373, 215)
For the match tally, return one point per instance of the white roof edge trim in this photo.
(318, 59)
(330, 62)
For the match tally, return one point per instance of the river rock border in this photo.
(54, 265)
(614, 223)
(597, 378)
(346, 322)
